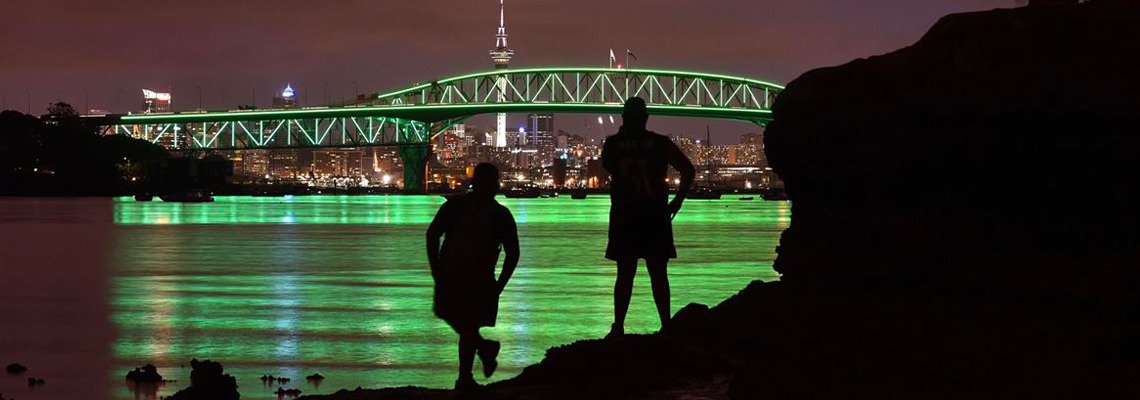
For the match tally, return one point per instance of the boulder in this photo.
(208, 382)
(15, 368)
(993, 154)
(145, 374)
(964, 219)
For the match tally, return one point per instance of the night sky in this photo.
(232, 49)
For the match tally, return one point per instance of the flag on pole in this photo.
(613, 58)
(630, 53)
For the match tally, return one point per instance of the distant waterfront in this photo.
(290, 286)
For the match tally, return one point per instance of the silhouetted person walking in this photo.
(640, 211)
(474, 227)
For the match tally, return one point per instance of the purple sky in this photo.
(230, 49)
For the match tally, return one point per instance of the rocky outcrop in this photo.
(208, 382)
(995, 152)
(147, 374)
(15, 369)
(964, 213)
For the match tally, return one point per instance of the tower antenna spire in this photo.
(501, 35)
(501, 57)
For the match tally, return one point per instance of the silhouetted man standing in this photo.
(474, 227)
(640, 211)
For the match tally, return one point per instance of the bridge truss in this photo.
(415, 115)
(666, 92)
(280, 133)
(410, 118)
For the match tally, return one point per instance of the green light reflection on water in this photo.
(338, 284)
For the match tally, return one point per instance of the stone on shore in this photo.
(208, 382)
(15, 368)
(145, 374)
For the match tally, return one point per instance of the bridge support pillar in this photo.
(415, 159)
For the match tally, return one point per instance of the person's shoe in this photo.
(488, 354)
(616, 331)
(467, 384)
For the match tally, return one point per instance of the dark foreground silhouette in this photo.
(208, 382)
(640, 210)
(964, 225)
(475, 228)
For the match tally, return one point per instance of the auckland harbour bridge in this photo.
(410, 118)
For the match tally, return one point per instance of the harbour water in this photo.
(291, 286)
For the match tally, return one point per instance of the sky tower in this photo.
(501, 56)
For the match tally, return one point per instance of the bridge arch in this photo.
(587, 90)
(412, 116)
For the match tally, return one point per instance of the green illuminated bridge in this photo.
(411, 117)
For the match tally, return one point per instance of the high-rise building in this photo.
(251, 163)
(752, 149)
(501, 57)
(284, 164)
(542, 138)
(382, 165)
(154, 102)
(287, 99)
(451, 145)
(344, 162)
(690, 148)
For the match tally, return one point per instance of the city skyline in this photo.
(319, 53)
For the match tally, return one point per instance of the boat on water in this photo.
(194, 196)
(747, 198)
(578, 194)
(522, 193)
(144, 197)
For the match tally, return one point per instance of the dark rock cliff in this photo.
(998, 152)
(964, 215)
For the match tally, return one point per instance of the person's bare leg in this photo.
(623, 290)
(659, 279)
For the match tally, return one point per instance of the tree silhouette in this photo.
(61, 111)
